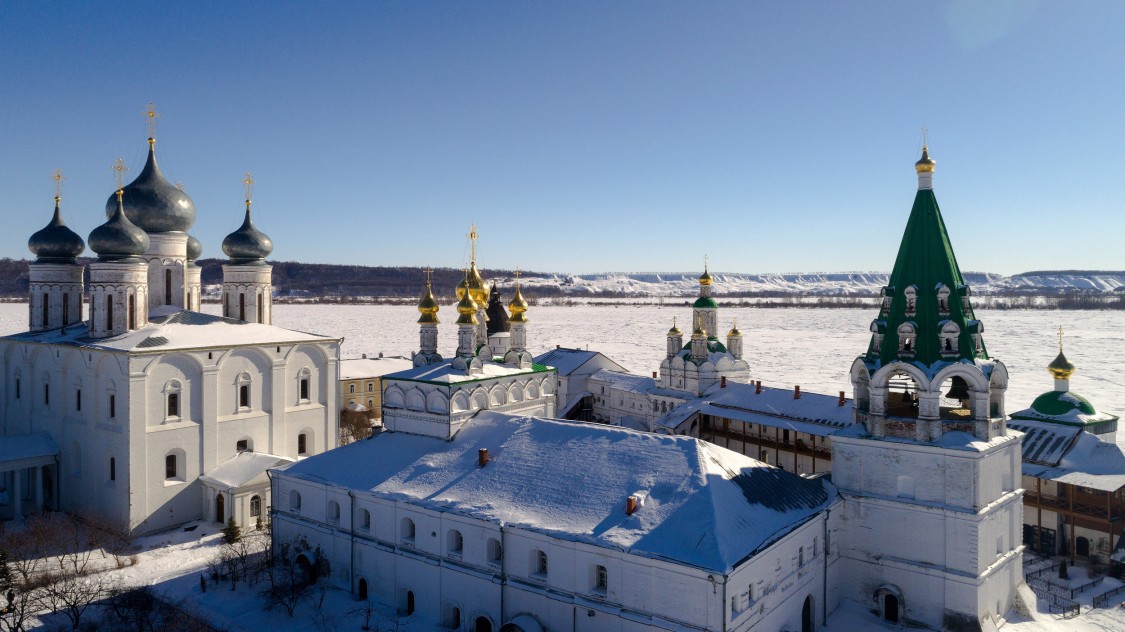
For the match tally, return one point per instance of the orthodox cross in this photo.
(1060, 338)
(57, 176)
(119, 170)
(249, 181)
(518, 273)
(150, 121)
(429, 275)
(704, 263)
(472, 242)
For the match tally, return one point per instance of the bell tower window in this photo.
(943, 300)
(167, 287)
(906, 338)
(911, 296)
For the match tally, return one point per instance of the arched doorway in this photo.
(807, 615)
(1082, 547)
(362, 589)
(219, 509)
(482, 624)
(308, 569)
(890, 607)
(410, 602)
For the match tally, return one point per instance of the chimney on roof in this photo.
(380, 354)
(722, 381)
(758, 387)
(654, 375)
(365, 356)
(482, 457)
(843, 400)
(797, 392)
(631, 505)
(558, 346)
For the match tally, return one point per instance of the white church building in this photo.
(143, 409)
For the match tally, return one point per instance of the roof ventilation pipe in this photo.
(797, 392)
(482, 457)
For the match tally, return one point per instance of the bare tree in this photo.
(288, 585)
(354, 425)
(74, 593)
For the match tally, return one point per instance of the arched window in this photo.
(601, 579)
(168, 286)
(948, 336)
(132, 313)
(911, 296)
(46, 308)
(172, 400)
(455, 542)
(408, 530)
(906, 337)
(255, 506)
(171, 467)
(943, 300)
(294, 500)
(241, 306)
(495, 551)
(302, 444)
(365, 519)
(109, 312)
(539, 563)
(260, 319)
(243, 390)
(333, 511)
(112, 469)
(303, 384)
(246, 444)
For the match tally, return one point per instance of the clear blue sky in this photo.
(584, 137)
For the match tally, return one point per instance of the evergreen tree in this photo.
(232, 532)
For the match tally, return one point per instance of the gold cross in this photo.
(472, 242)
(1060, 338)
(429, 275)
(704, 263)
(248, 180)
(150, 119)
(119, 170)
(518, 273)
(57, 176)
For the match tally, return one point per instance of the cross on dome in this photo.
(119, 170)
(150, 121)
(249, 182)
(57, 176)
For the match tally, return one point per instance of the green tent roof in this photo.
(925, 263)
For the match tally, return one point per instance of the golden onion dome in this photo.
(925, 164)
(428, 307)
(734, 332)
(1061, 368)
(461, 287)
(476, 285)
(674, 331)
(517, 308)
(467, 308)
(705, 278)
(699, 332)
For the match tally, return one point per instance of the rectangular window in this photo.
(602, 580)
(301, 444)
(17, 388)
(170, 466)
(371, 387)
(112, 406)
(305, 388)
(78, 400)
(173, 404)
(46, 394)
(244, 396)
(241, 445)
(112, 469)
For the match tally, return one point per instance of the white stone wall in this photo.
(117, 282)
(167, 253)
(248, 293)
(60, 287)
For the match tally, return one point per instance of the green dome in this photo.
(705, 302)
(1061, 403)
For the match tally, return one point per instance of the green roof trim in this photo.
(925, 262)
(705, 302)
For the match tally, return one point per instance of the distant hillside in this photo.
(336, 282)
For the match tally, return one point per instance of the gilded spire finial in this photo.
(248, 181)
(429, 276)
(150, 121)
(1060, 338)
(518, 273)
(472, 242)
(119, 170)
(180, 186)
(57, 176)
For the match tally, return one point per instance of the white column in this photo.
(37, 480)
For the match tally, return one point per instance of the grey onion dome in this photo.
(118, 239)
(247, 245)
(56, 243)
(194, 248)
(154, 204)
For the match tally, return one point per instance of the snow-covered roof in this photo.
(445, 373)
(566, 361)
(243, 468)
(703, 505)
(359, 368)
(27, 446)
(1090, 462)
(174, 328)
(813, 413)
(624, 381)
(1044, 443)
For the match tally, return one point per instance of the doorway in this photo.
(890, 608)
(362, 589)
(807, 615)
(220, 513)
(1082, 547)
(482, 624)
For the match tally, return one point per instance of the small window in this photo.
(540, 563)
(242, 445)
(333, 511)
(302, 444)
(351, 388)
(78, 400)
(364, 519)
(495, 551)
(112, 405)
(173, 404)
(171, 470)
(371, 387)
(17, 388)
(408, 530)
(46, 394)
(456, 542)
(255, 506)
(294, 500)
(244, 396)
(109, 313)
(801, 556)
(304, 389)
(601, 579)
(112, 469)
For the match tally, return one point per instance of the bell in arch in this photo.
(958, 389)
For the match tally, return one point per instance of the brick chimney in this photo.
(723, 381)
(797, 392)
(631, 505)
(843, 400)
(482, 457)
(654, 375)
(758, 387)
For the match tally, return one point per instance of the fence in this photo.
(1055, 602)
(1102, 600)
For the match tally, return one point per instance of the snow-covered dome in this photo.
(55, 243)
(154, 204)
(118, 238)
(194, 248)
(247, 245)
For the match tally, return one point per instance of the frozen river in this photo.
(810, 347)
